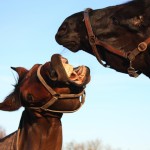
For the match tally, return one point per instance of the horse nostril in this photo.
(62, 30)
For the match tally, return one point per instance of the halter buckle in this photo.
(92, 39)
(57, 95)
(130, 56)
(142, 46)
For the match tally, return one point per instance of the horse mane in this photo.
(134, 15)
(133, 8)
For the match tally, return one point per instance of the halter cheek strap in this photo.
(131, 55)
(56, 96)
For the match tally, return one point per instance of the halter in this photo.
(57, 96)
(94, 41)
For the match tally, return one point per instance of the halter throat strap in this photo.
(131, 55)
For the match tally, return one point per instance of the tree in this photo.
(89, 145)
(2, 132)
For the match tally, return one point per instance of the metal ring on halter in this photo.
(142, 46)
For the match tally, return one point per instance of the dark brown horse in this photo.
(46, 92)
(117, 35)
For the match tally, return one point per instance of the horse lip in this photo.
(59, 64)
(56, 64)
(83, 76)
(69, 43)
(72, 46)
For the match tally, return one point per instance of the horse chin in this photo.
(72, 46)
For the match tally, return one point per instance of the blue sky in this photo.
(117, 106)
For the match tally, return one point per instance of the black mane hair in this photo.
(134, 8)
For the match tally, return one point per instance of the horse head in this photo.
(46, 91)
(117, 31)
(53, 86)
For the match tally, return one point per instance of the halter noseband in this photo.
(94, 41)
(57, 96)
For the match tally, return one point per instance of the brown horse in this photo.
(117, 35)
(46, 92)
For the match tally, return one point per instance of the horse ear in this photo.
(20, 70)
(11, 103)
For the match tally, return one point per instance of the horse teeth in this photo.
(68, 68)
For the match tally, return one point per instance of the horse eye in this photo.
(30, 97)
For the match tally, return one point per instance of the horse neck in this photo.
(38, 132)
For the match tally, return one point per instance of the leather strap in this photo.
(93, 40)
(56, 96)
(91, 35)
(141, 48)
